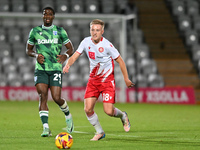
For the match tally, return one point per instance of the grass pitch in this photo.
(153, 127)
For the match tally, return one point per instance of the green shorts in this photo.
(52, 78)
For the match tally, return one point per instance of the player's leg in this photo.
(92, 117)
(108, 104)
(56, 95)
(112, 111)
(42, 90)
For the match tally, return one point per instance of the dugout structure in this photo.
(117, 22)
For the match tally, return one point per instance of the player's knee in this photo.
(88, 111)
(109, 112)
(57, 99)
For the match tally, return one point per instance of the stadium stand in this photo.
(155, 80)
(18, 6)
(159, 22)
(62, 6)
(4, 6)
(13, 46)
(92, 6)
(32, 6)
(77, 6)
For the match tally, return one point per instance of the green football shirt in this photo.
(48, 42)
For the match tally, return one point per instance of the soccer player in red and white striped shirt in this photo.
(101, 54)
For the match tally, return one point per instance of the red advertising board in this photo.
(169, 95)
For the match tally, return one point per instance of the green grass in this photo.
(154, 127)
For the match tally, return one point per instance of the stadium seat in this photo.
(137, 37)
(140, 80)
(6, 61)
(192, 8)
(108, 7)
(196, 23)
(19, 50)
(83, 61)
(3, 80)
(46, 3)
(23, 23)
(5, 50)
(18, 6)
(14, 35)
(195, 55)
(25, 34)
(130, 63)
(122, 6)
(14, 79)
(22, 61)
(3, 36)
(65, 81)
(178, 8)
(118, 79)
(108, 34)
(36, 22)
(62, 6)
(7, 23)
(191, 38)
(155, 80)
(4, 6)
(9, 68)
(77, 6)
(26, 69)
(75, 79)
(148, 66)
(33, 6)
(85, 79)
(28, 79)
(74, 35)
(184, 23)
(142, 51)
(92, 6)
(84, 70)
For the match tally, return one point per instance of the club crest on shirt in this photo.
(101, 49)
(54, 32)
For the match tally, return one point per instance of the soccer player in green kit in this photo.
(48, 40)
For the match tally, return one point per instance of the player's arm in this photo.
(70, 49)
(124, 71)
(30, 52)
(70, 62)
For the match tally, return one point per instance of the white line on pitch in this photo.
(106, 134)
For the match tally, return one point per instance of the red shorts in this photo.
(94, 88)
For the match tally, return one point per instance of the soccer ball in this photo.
(64, 140)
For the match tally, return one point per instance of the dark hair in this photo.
(48, 8)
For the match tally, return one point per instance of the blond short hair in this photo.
(97, 21)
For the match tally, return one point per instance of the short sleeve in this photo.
(113, 51)
(81, 47)
(64, 36)
(31, 38)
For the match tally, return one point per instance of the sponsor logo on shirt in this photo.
(54, 32)
(49, 41)
(91, 55)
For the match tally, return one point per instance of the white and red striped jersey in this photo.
(101, 58)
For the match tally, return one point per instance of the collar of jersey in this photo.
(44, 27)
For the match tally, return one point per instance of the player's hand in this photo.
(61, 58)
(40, 58)
(129, 83)
(66, 68)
